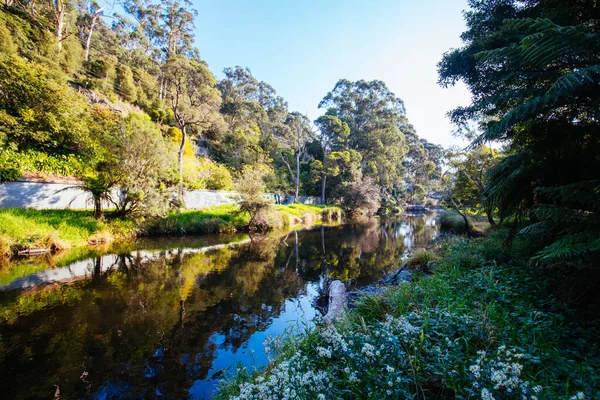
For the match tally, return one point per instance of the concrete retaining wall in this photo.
(45, 195)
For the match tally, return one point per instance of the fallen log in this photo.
(338, 301)
(30, 252)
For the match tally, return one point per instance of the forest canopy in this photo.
(71, 72)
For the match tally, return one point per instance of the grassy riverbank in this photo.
(485, 325)
(58, 229)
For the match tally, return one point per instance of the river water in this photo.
(168, 318)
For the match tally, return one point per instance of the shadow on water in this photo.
(168, 319)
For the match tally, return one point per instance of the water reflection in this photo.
(168, 323)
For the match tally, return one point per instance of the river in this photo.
(169, 318)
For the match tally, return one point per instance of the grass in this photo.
(59, 229)
(23, 229)
(421, 259)
(485, 325)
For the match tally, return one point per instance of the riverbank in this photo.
(47, 230)
(485, 325)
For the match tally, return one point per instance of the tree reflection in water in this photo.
(168, 323)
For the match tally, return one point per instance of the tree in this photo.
(471, 174)
(295, 135)
(90, 13)
(193, 98)
(534, 74)
(375, 117)
(333, 135)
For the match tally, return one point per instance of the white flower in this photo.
(388, 392)
(537, 389)
(389, 369)
(486, 395)
(321, 396)
(579, 396)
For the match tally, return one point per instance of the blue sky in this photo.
(302, 48)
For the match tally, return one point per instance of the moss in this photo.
(452, 221)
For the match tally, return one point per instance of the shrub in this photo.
(362, 197)
(215, 225)
(14, 163)
(309, 218)
(5, 246)
(9, 174)
(332, 214)
(251, 189)
(6, 43)
(452, 221)
(421, 259)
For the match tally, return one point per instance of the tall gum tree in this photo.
(194, 99)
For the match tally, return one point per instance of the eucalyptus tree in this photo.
(195, 101)
(333, 137)
(375, 117)
(295, 135)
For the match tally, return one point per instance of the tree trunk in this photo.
(323, 184)
(97, 207)
(296, 248)
(88, 42)
(180, 160)
(297, 176)
(59, 12)
(490, 216)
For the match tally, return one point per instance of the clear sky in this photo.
(303, 47)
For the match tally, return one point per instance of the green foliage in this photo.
(38, 109)
(207, 174)
(533, 71)
(375, 118)
(421, 259)
(124, 84)
(13, 164)
(6, 43)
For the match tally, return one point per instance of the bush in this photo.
(452, 221)
(421, 259)
(9, 174)
(251, 189)
(362, 197)
(6, 43)
(215, 225)
(14, 163)
(332, 214)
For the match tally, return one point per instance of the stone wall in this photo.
(56, 195)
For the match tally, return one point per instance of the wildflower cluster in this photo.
(499, 375)
(370, 363)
